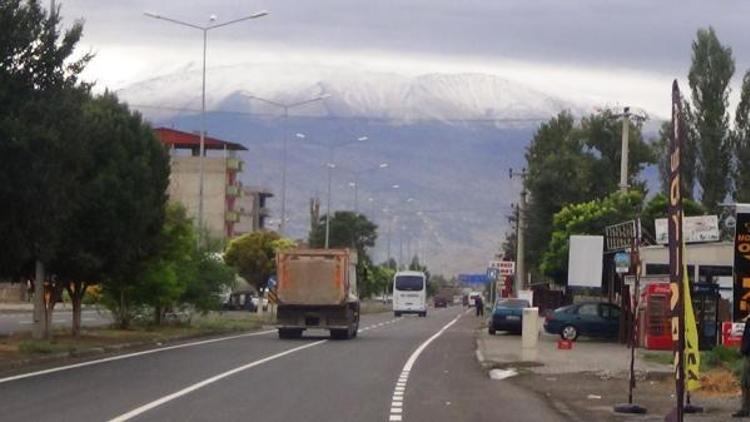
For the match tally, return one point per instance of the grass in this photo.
(20, 346)
(656, 357)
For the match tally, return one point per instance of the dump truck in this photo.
(317, 288)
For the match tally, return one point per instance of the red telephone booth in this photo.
(656, 324)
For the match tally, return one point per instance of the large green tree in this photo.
(569, 164)
(741, 173)
(41, 98)
(118, 205)
(711, 70)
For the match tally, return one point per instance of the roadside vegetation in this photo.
(721, 369)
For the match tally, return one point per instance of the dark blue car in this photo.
(591, 319)
(507, 315)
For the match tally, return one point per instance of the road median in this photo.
(19, 351)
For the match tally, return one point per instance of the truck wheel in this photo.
(340, 334)
(288, 333)
(491, 330)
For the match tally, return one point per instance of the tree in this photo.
(711, 70)
(569, 164)
(119, 204)
(213, 277)
(586, 218)
(253, 256)
(741, 173)
(165, 275)
(41, 97)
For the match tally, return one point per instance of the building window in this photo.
(709, 273)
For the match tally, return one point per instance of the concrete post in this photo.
(530, 328)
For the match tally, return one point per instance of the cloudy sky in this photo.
(615, 52)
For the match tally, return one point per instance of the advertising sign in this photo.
(702, 228)
(585, 261)
(504, 267)
(742, 263)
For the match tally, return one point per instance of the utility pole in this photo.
(624, 152)
(521, 227)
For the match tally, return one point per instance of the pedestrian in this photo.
(745, 378)
(479, 305)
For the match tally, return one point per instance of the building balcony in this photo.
(232, 217)
(234, 164)
(234, 191)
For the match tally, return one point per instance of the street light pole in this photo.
(286, 107)
(201, 148)
(328, 205)
(355, 184)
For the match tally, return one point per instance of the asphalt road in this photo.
(13, 322)
(405, 369)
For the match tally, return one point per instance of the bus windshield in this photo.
(409, 282)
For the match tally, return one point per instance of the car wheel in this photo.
(491, 330)
(397, 314)
(569, 332)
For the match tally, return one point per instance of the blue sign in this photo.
(493, 273)
(622, 262)
(271, 282)
(474, 278)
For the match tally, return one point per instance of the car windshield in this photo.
(409, 282)
(513, 303)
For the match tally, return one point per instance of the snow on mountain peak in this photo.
(442, 97)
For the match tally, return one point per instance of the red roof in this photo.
(180, 139)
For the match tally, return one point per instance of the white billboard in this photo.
(585, 261)
(701, 228)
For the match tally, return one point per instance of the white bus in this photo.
(410, 293)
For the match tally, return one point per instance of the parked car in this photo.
(507, 315)
(591, 319)
(440, 301)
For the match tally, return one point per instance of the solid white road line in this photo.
(146, 407)
(397, 403)
(129, 355)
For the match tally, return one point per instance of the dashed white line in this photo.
(397, 403)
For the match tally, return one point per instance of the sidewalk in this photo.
(16, 307)
(585, 382)
(606, 358)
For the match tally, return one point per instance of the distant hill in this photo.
(449, 140)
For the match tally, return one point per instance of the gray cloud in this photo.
(646, 35)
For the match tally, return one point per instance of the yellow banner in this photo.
(692, 354)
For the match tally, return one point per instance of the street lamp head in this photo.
(323, 96)
(410, 200)
(300, 135)
(152, 14)
(383, 165)
(259, 14)
(352, 184)
(362, 138)
(212, 18)
(396, 186)
(331, 165)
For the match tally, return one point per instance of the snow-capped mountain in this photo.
(442, 97)
(449, 140)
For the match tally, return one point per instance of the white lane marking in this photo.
(146, 407)
(129, 355)
(397, 403)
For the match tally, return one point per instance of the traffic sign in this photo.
(622, 262)
(473, 278)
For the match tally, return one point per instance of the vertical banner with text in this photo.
(676, 264)
(742, 263)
